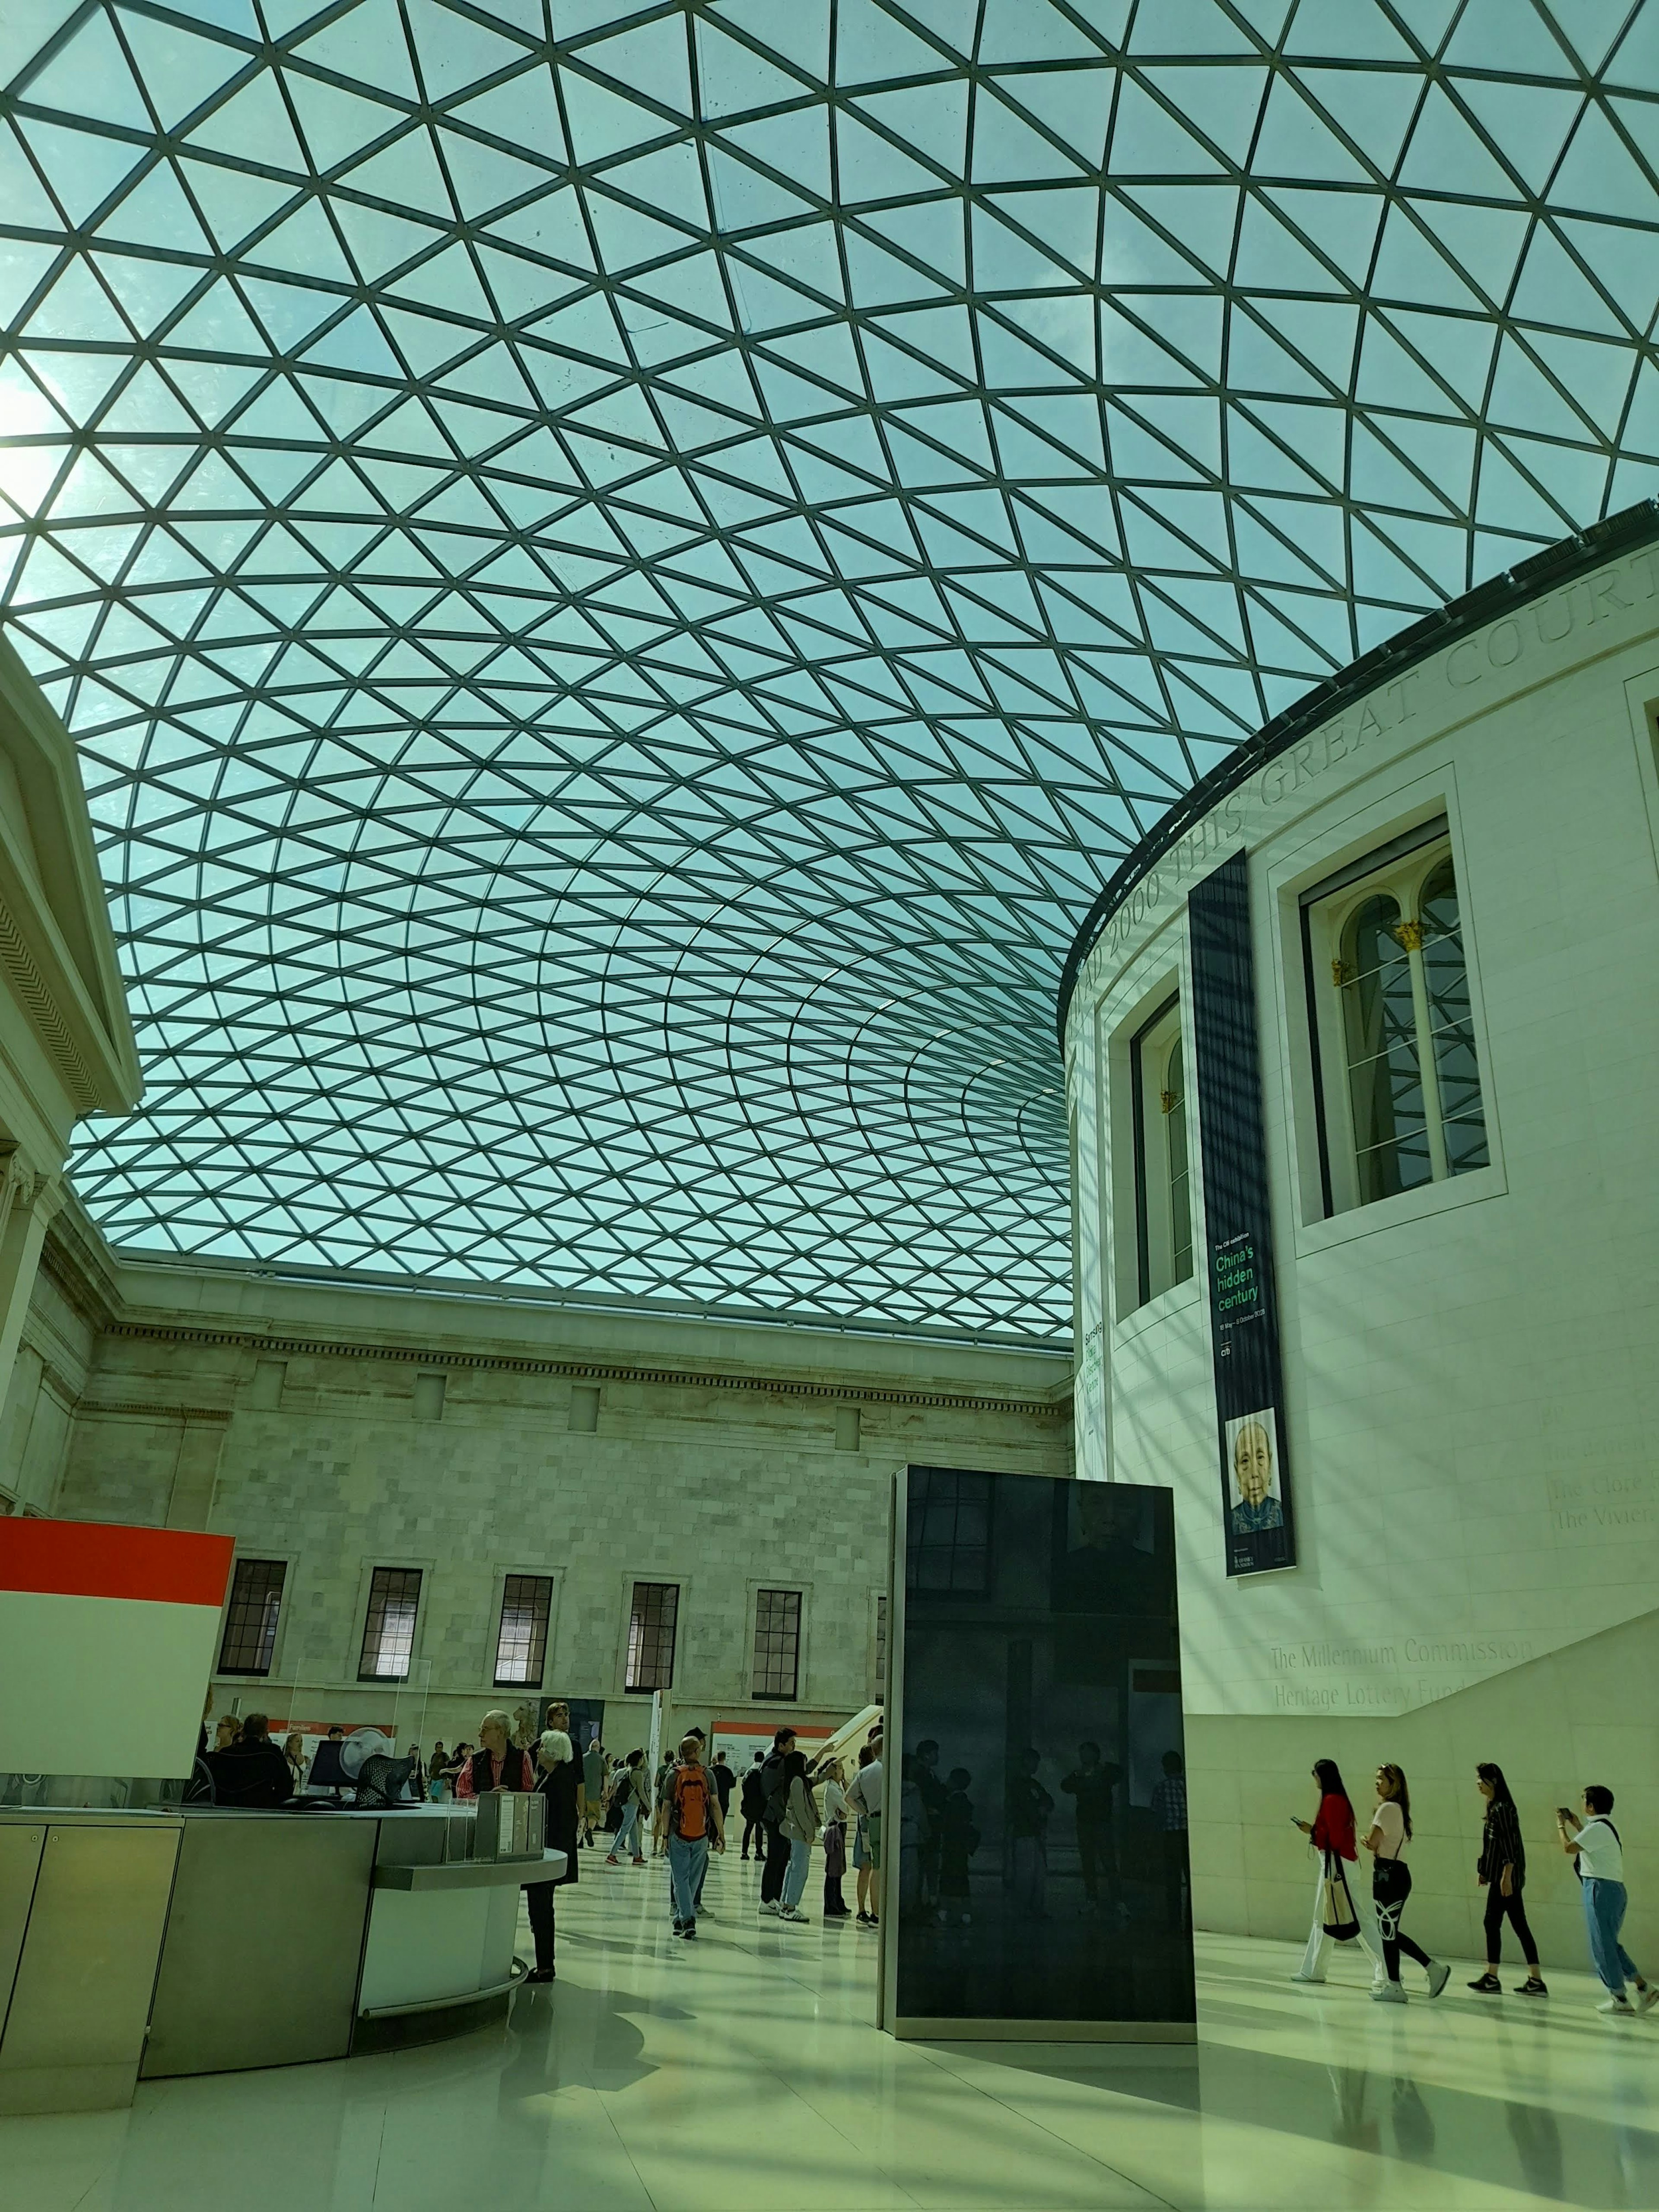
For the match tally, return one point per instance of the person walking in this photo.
(1331, 1832)
(752, 1805)
(1388, 1839)
(556, 1772)
(594, 1776)
(799, 1828)
(1599, 1850)
(864, 1802)
(1501, 1871)
(1027, 1810)
(1092, 1787)
(726, 1782)
(693, 1820)
(632, 1787)
(775, 1780)
(834, 1842)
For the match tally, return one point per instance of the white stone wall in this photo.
(1472, 1384)
(289, 1417)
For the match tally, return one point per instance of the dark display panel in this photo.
(1035, 1846)
(1259, 1530)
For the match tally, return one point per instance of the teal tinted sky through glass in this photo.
(622, 577)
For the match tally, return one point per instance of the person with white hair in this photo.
(558, 1778)
(498, 1763)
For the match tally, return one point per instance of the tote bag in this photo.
(1341, 1922)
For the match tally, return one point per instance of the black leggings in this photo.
(1499, 1908)
(1391, 1885)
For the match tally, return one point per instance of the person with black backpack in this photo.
(693, 1821)
(1599, 1850)
(775, 1783)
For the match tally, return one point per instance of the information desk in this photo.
(199, 1941)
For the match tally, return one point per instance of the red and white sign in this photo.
(108, 1641)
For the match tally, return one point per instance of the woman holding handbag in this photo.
(1342, 1906)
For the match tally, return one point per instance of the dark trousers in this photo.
(538, 1901)
(1391, 1885)
(777, 1864)
(1499, 1909)
(1096, 1849)
(754, 1831)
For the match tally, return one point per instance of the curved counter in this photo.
(200, 1940)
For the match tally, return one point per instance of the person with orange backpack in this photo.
(694, 1821)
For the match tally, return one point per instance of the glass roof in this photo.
(624, 576)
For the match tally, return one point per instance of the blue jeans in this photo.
(794, 1878)
(688, 1862)
(1604, 1916)
(624, 1836)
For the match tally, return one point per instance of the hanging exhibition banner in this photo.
(1256, 1489)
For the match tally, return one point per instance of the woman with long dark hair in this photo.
(1331, 1832)
(1387, 1839)
(1501, 1872)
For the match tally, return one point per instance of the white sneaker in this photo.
(1390, 1993)
(1439, 1975)
(1617, 2005)
(1306, 1977)
(771, 1905)
(788, 1912)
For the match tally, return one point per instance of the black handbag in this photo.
(1341, 1922)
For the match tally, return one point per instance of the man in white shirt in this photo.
(1595, 1843)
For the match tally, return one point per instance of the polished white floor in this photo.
(743, 2072)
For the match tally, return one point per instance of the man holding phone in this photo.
(1595, 1844)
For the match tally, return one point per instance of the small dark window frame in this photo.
(777, 1627)
(253, 1617)
(535, 1591)
(1137, 1107)
(387, 1586)
(666, 1628)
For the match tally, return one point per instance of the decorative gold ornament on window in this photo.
(1341, 973)
(1408, 935)
(1169, 1100)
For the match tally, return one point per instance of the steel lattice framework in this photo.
(623, 576)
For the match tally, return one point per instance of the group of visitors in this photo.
(1371, 1913)
(791, 1805)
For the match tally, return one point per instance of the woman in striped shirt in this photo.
(1501, 1872)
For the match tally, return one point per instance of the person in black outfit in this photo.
(252, 1772)
(932, 1793)
(725, 1781)
(558, 1777)
(753, 1803)
(1092, 1788)
(775, 1784)
(1501, 1872)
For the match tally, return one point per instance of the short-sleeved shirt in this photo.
(863, 1794)
(1391, 1821)
(1601, 1855)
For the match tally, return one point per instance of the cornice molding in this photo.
(1047, 1407)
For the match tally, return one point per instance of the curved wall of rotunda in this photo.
(1430, 1531)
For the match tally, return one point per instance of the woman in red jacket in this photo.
(1331, 1831)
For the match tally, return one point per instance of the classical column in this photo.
(29, 1199)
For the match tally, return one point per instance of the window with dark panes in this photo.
(521, 1638)
(394, 1603)
(256, 1600)
(949, 1545)
(653, 1620)
(777, 1642)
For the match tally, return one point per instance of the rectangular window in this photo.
(521, 1638)
(777, 1642)
(878, 1684)
(394, 1602)
(1389, 990)
(1163, 1210)
(653, 1620)
(256, 1598)
(948, 1545)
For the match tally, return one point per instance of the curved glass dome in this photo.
(624, 576)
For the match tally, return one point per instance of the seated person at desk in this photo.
(498, 1764)
(252, 1772)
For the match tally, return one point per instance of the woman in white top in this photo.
(1388, 1839)
(835, 1840)
(1595, 1844)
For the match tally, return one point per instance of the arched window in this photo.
(1400, 1086)
(1163, 1211)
